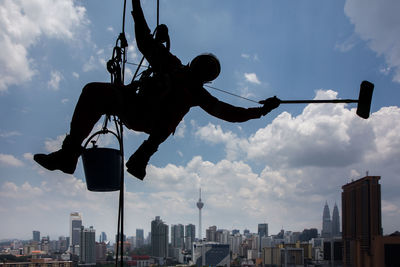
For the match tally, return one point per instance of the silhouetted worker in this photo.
(158, 107)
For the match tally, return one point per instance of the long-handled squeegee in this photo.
(364, 100)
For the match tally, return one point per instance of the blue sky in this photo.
(279, 169)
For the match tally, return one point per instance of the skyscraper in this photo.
(103, 237)
(211, 233)
(159, 238)
(200, 205)
(262, 232)
(36, 236)
(361, 220)
(177, 236)
(190, 235)
(326, 222)
(139, 238)
(74, 231)
(87, 249)
(335, 221)
(263, 229)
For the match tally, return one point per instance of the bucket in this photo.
(102, 167)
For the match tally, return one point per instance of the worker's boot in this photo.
(137, 163)
(64, 159)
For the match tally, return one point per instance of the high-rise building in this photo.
(335, 222)
(361, 220)
(87, 251)
(235, 231)
(159, 238)
(211, 234)
(36, 236)
(263, 229)
(101, 251)
(190, 236)
(326, 222)
(75, 231)
(200, 205)
(139, 238)
(177, 236)
(262, 232)
(103, 237)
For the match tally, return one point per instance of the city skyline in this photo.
(265, 170)
(76, 223)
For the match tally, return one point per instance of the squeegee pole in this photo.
(319, 101)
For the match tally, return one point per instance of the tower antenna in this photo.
(200, 205)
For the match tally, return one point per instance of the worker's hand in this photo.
(135, 3)
(269, 104)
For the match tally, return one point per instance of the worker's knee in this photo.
(90, 88)
(98, 90)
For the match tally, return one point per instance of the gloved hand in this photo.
(269, 104)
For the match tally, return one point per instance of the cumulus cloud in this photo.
(214, 134)
(180, 130)
(52, 145)
(10, 160)
(23, 23)
(378, 23)
(26, 190)
(55, 79)
(252, 78)
(322, 135)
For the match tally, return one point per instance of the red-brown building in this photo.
(363, 243)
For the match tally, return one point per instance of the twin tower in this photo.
(330, 228)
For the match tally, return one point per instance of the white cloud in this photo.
(347, 44)
(9, 134)
(214, 134)
(248, 56)
(95, 62)
(323, 135)
(28, 156)
(252, 78)
(10, 160)
(55, 79)
(180, 130)
(23, 23)
(52, 145)
(378, 22)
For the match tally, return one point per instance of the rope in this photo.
(119, 127)
(229, 93)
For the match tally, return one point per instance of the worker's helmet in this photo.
(206, 67)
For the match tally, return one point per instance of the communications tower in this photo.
(200, 206)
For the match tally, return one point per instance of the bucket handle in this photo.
(103, 131)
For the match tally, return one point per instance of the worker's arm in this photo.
(230, 113)
(144, 38)
(155, 53)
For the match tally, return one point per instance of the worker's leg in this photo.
(95, 100)
(137, 163)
